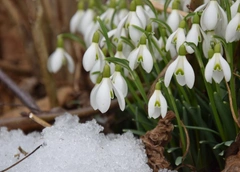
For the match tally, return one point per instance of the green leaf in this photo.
(178, 161)
(172, 149)
(137, 132)
(162, 24)
(73, 37)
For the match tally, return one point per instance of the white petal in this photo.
(226, 69)
(163, 103)
(234, 8)
(180, 38)
(134, 33)
(189, 73)
(120, 98)
(75, 20)
(103, 96)
(142, 15)
(132, 58)
(119, 82)
(217, 76)
(170, 40)
(222, 22)
(209, 69)
(170, 70)
(86, 19)
(153, 112)
(147, 62)
(209, 17)
(56, 60)
(231, 30)
(70, 62)
(181, 80)
(89, 57)
(174, 19)
(193, 36)
(93, 97)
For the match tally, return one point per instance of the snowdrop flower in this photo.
(93, 53)
(217, 67)
(87, 18)
(213, 17)
(157, 104)
(75, 21)
(233, 28)
(106, 17)
(234, 8)
(182, 69)
(90, 30)
(141, 55)
(177, 37)
(141, 13)
(195, 34)
(103, 92)
(128, 22)
(174, 17)
(119, 81)
(60, 57)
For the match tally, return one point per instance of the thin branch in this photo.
(39, 120)
(24, 97)
(22, 159)
(231, 106)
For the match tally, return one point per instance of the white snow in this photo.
(72, 147)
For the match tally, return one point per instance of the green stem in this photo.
(172, 101)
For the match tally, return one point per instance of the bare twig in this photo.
(22, 159)
(231, 106)
(39, 120)
(160, 7)
(25, 98)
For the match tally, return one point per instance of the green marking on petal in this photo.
(157, 104)
(179, 72)
(140, 59)
(218, 67)
(238, 28)
(111, 94)
(96, 57)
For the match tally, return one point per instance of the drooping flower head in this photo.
(103, 92)
(217, 67)
(141, 55)
(174, 17)
(233, 28)
(157, 104)
(182, 69)
(177, 38)
(93, 54)
(60, 57)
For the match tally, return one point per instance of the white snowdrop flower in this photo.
(195, 34)
(58, 58)
(157, 104)
(233, 28)
(162, 47)
(129, 22)
(178, 37)
(182, 69)
(119, 81)
(142, 55)
(87, 18)
(174, 17)
(75, 21)
(106, 17)
(213, 16)
(95, 71)
(217, 67)
(141, 13)
(234, 8)
(103, 92)
(92, 54)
